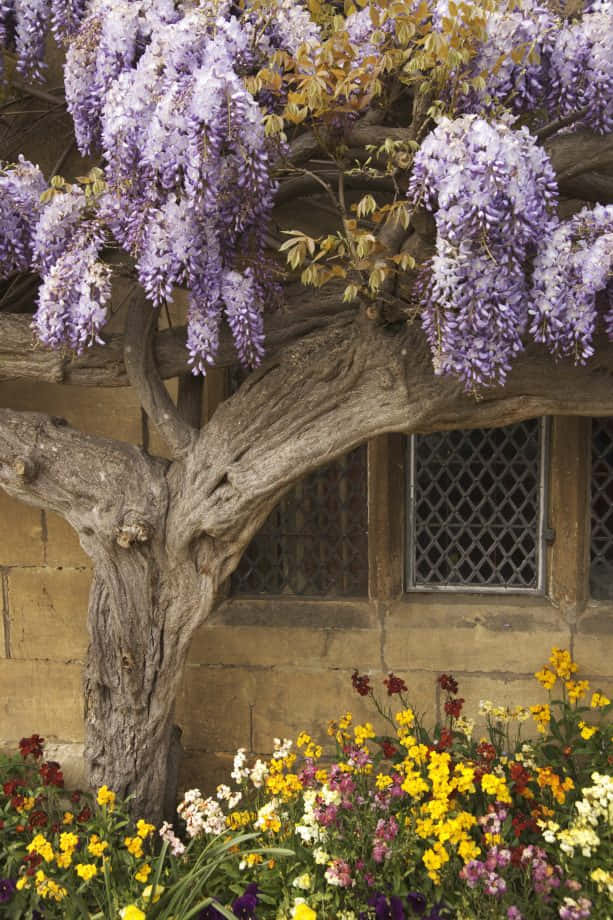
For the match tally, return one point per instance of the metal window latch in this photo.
(549, 535)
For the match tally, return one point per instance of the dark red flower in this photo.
(51, 774)
(486, 751)
(361, 683)
(32, 860)
(76, 796)
(516, 855)
(32, 746)
(447, 682)
(520, 777)
(394, 684)
(454, 707)
(388, 748)
(37, 818)
(17, 801)
(9, 788)
(445, 740)
(85, 814)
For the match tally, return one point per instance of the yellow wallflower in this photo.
(405, 719)
(143, 873)
(362, 733)
(587, 730)
(303, 912)
(134, 845)
(132, 912)
(238, 819)
(321, 776)
(383, 781)
(68, 817)
(96, 846)
(64, 859)
(302, 739)
(150, 895)
(22, 882)
(86, 871)
(599, 701)
(576, 689)
(47, 888)
(434, 857)
(546, 677)
(68, 842)
(496, 786)
(106, 796)
(27, 804)
(143, 829)
(562, 663)
(541, 715)
(39, 844)
(468, 850)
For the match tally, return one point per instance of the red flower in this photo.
(516, 855)
(17, 801)
(445, 741)
(388, 748)
(446, 682)
(33, 860)
(32, 746)
(75, 796)
(454, 707)
(51, 774)
(520, 777)
(85, 814)
(361, 683)
(395, 684)
(37, 819)
(9, 788)
(486, 751)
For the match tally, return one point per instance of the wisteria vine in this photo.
(159, 89)
(476, 292)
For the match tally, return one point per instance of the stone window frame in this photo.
(568, 517)
(567, 557)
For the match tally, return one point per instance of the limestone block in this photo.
(41, 696)
(257, 646)
(63, 547)
(70, 758)
(214, 708)
(290, 701)
(110, 413)
(593, 642)
(203, 771)
(48, 613)
(21, 533)
(473, 635)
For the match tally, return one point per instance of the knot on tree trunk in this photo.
(26, 468)
(133, 529)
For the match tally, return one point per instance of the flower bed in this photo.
(397, 825)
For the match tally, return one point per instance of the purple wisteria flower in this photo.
(494, 192)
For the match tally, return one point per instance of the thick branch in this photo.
(334, 390)
(139, 357)
(580, 152)
(103, 366)
(100, 486)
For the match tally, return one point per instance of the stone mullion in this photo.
(386, 516)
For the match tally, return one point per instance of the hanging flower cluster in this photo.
(476, 292)
(20, 189)
(570, 269)
(582, 67)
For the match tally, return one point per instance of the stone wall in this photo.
(265, 668)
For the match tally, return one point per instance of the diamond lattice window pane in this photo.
(315, 542)
(601, 569)
(476, 508)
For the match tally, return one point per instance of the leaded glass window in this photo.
(315, 542)
(476, 509)
(601, 548)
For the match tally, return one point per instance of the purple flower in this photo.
(244, 907)
(514, 913)
(386, 909)
(7, 889)
(416, 902)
